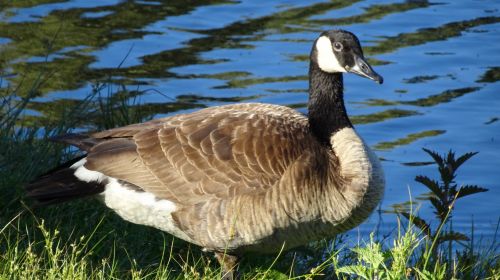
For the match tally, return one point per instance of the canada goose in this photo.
(237, 178)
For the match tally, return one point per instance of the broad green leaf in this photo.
(470, 189)
(357, 270)
(441, 208)
(437, 158)
(432, 185)
(418, 222)
(463, 158)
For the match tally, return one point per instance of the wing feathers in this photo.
(118, 158)
(213, 153)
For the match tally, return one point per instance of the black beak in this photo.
(363, 69)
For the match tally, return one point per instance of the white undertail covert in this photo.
(138, 207)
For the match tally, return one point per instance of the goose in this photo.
(237, 178)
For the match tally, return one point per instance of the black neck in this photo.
(327, 113)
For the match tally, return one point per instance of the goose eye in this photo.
(337, 46)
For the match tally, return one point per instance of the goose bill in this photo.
(363, 69)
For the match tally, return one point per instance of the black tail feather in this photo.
(65, 165)
(60, 185)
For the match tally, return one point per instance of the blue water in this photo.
(257, 50)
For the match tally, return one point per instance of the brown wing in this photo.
(216, 152)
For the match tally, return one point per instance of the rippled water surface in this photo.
(440, 61)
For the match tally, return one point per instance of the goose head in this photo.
(339, 51)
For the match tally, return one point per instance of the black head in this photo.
(340, 51)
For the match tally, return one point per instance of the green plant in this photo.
(372, 261)
(446, 192)
(444, 195)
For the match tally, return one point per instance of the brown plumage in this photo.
(237, 178)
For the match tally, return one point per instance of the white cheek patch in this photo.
(327, 60)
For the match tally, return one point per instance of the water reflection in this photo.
(420, 79)
(412, 137)
(432, 100)
(374, 12)
(492, 75)
(426, 35)
(61, 29)
(73, 35)
(123, 104)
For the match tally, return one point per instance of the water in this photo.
(440, 61)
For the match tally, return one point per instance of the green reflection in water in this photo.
(4, 5)
(221, 76)
(421, 36)
(129, 18)
(230, 36)
(426, 35)
(492, 120)
(36, 38)
(192, 98)
(377, 62)
(122, 105)
(444, 97)
(62, 30)
(420, 79)
(243, 83)
(432, 100)
(382, 116)
(290, 90)
(410, 138)
(96, 118)
(375, 12)
(370, 118)
(492, 75)
(69, 38)
(286, 21)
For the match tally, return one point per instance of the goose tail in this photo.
(61, 183)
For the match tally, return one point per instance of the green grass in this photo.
(85, 240)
